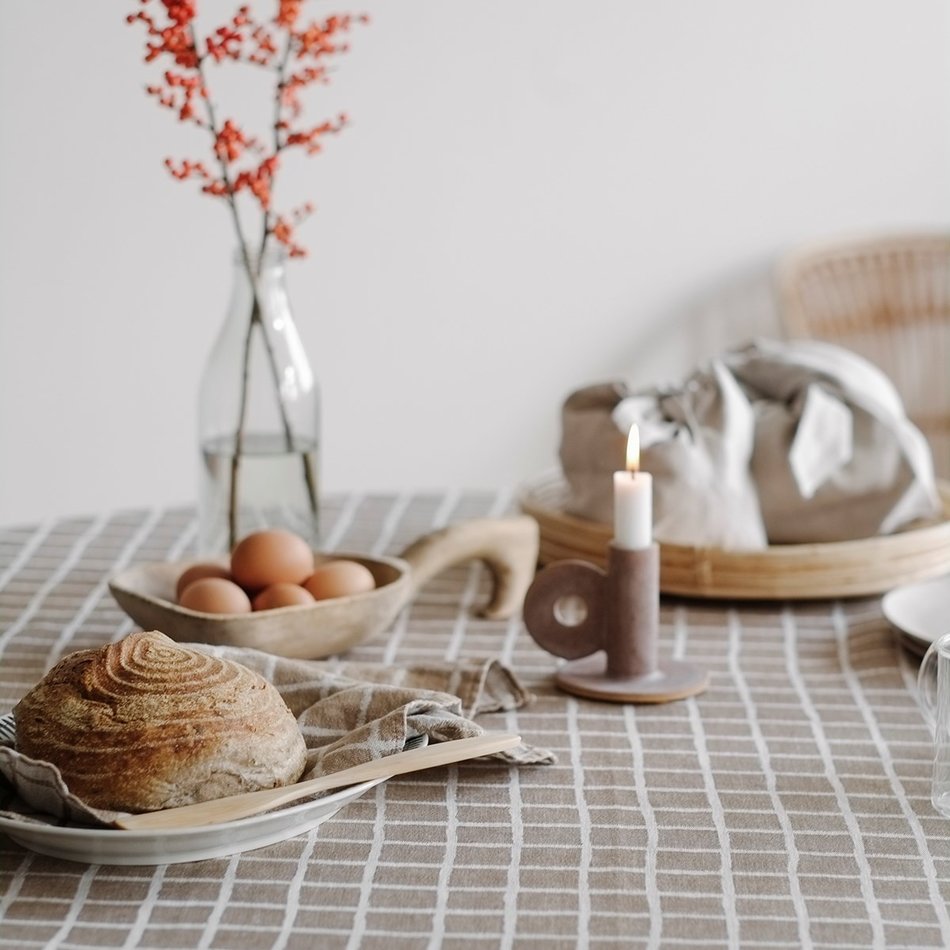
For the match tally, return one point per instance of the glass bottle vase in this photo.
(258, 416)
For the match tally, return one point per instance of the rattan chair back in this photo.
(887, 299)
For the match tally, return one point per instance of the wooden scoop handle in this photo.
(508, 546)
(253, 803)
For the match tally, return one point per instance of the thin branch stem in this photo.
(309, 475)
(256, 317)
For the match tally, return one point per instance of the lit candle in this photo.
(633, 501)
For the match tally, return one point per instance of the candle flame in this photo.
(633, 449)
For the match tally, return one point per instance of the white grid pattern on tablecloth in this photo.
(788, 806)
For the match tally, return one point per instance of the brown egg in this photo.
(339, 579)
(215, 595)
(197, 571)
(271, 557)
(282, 595)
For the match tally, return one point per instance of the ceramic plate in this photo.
(111, 846)
(920, 611)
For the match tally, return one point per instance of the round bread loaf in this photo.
(147, 723)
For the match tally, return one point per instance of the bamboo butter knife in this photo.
(253, 803)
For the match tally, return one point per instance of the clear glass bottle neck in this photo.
(272, 259)
(267, 278)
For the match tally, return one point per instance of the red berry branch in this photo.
(297, 53)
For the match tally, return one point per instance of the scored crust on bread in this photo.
(147, 723)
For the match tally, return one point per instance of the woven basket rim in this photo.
(813, 570)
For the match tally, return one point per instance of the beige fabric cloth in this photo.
(787, 806)
(348, 713)
(770, 443)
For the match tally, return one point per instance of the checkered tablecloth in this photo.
(788, 806)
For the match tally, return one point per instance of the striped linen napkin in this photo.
(348, 713)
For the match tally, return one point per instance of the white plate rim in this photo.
(171, 846)
(906, 619)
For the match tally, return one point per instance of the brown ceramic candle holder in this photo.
(611, 640)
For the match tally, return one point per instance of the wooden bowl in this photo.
(780, 572)
(508, 546)
(146, 592)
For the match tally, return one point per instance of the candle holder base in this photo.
(672, 680)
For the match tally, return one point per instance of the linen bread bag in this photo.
(770, 443)
(147, 723)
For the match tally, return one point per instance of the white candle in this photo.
(633, 500)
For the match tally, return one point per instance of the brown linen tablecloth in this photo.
(788, 806)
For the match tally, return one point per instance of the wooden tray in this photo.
(781, 572)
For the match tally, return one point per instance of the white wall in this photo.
(533, 195)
